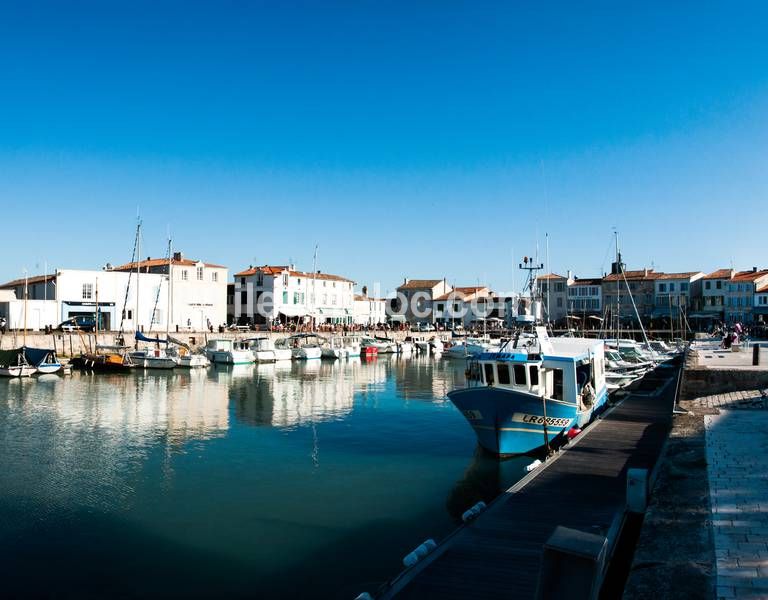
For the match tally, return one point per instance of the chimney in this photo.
(754, 269)
(405, 281)
(177, 256)
(569, 274)
(365, 291)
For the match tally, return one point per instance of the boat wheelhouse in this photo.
(534, 389)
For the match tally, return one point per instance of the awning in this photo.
(595, 317)
(397, 318)
(292, 311)
(760, 310)
(706, 315)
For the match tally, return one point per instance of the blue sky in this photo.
(406, 139)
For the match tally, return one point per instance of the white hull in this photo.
(23, 371)
(149, 361)
(333, 353)
(264, 356)
(47, 368)
(192, 361)
(282, 354)
(307, 353)
(231, 357)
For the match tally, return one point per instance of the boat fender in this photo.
(535, 464)
(473, 512)
(419, 552)
(573, 432)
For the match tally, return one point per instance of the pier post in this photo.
(756, 355)
(572, 565)
(637, 490)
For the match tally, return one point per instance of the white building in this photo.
(198, 292)
(268, 294)
(197, 296)
(369, 311)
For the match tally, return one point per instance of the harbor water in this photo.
(271, 481)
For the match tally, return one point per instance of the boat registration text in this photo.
(539, 420)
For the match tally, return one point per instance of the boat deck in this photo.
(584, 488)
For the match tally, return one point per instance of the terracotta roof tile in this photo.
(588, 281)
(750, 275)
(161, 262)
(419, 284)
(279, 269)
(719, 274)
(639, 275)
(686, 275)
(550, 276)
(30, 280)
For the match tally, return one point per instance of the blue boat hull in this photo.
(509, 422)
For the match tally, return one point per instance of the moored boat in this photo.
(13, 363)
(525, 395)
(229, 352)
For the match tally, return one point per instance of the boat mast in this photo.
(314, 289)
(26, 296)
(96, 328)
(618, 288)
(138, 270)
(168, 311)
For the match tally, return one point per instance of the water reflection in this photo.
(286, 470)
(485, 477)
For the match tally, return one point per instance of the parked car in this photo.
(425, 327)
(81, 323)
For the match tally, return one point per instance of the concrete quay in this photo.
(705, 534)
(71, 344)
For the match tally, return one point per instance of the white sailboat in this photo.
(157, 357)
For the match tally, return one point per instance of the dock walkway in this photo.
(584, 488)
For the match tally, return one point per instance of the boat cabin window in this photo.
(520, 378)
(488, 373)
(557, 388)
(534, 375)
(503, 374)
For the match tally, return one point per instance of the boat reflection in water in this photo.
(485, 478)
(267, 480)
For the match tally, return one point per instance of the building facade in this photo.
(416, 298)
(553, 290)
(269, 294)
(193, 297)
(677, 294)
(369, 312)
(616, 296)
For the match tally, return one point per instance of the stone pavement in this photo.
(737, 457)
(740, 399)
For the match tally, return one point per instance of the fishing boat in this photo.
(13, 363)
(352, 345)
(531, 391)
(229, 352)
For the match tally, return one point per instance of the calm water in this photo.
(258, 481)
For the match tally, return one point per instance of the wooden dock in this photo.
(499, 554)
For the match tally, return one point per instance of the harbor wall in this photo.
(72, 344)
